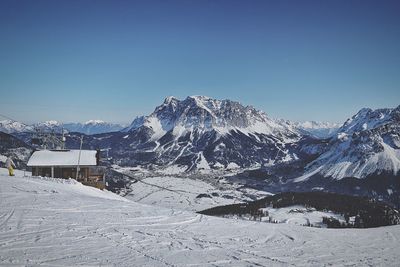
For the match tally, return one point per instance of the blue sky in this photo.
(113, 60)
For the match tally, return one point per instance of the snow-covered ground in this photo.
(299, 215)
(188, 194)
(63, 223)
(194, 192)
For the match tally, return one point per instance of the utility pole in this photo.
(79, 159)
(63, 139)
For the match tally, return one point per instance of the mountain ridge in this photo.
(200, 132)
(88, 127)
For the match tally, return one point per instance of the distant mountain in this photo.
(318, 129)
(9, 126)
(89, 127)
(93, 127)
(207, 114)
(49, 126)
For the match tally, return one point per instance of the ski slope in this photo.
(53, 222)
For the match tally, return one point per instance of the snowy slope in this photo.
(63, 223)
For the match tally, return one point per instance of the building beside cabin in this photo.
(65, 163)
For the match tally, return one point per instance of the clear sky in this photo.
(113, 60)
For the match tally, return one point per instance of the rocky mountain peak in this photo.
(367, 119)
(204, 113)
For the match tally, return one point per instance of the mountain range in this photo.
(204, 135)
(89, 127)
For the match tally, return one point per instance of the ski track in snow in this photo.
(50, 223)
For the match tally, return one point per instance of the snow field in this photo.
(54, 222)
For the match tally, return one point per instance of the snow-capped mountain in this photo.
(204, 133)
(89, 127)
(367, 119)
(368, 143)
(9, 126)
(318, 129)
(93, 127)
(201, 133)
(48, 126)
(205, 114)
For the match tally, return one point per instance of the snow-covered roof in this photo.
(63, 158)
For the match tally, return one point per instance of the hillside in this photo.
(15, 148)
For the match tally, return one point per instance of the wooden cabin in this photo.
(64, 164)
